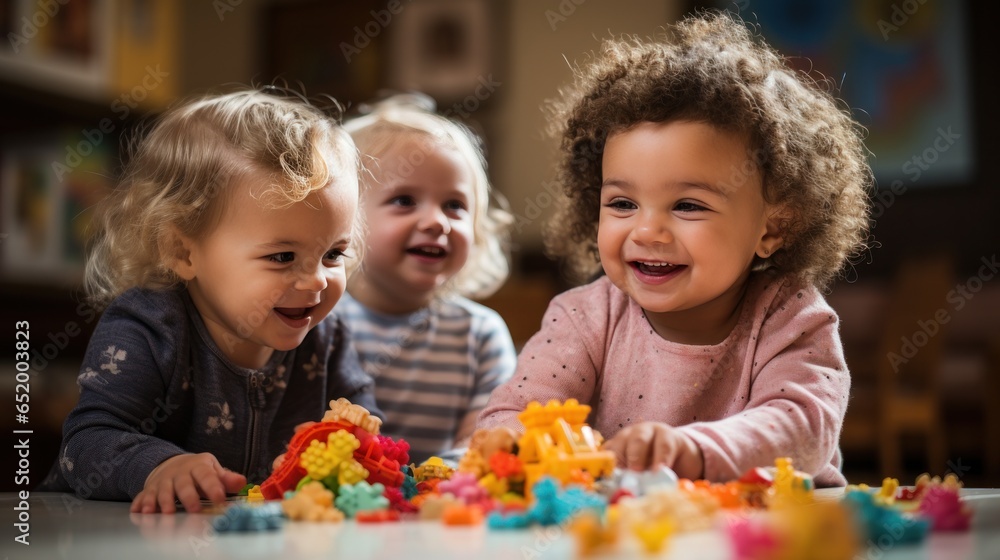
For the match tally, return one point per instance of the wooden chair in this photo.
(907, 365)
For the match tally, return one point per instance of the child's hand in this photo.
(648, 444)
(187, 478)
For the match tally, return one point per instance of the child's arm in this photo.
(561, 361)
(495, 361)
(798, 397)
(108, 450)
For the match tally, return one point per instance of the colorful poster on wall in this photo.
(900, 65)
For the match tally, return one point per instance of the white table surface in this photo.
(64, 527)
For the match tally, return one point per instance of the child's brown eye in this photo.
(282, 258)
(335, 255)
(455, 205)
(688, 207)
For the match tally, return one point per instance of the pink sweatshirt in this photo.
(777, 386)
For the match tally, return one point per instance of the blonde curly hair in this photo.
(809, 151)
(382, 127)
(193, 153)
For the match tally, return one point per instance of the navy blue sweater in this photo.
(153, 384)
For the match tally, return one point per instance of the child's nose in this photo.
(652, 228)
(433, 220)
(312, 278)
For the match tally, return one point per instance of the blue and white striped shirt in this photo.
(434, 369)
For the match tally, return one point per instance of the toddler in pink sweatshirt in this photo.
(720, 191)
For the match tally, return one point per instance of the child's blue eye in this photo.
(282, 258)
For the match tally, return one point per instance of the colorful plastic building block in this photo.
(462, 514)
(434, 467)
(369, 455)
(653, 534)
(246, 518)
(551, 506)
(377, 516)
(341, 410)
(434, 505)
(877, 521)
(591, 535)
(290, 472)
(791, 487)
(464, 487)
(396, 450)
(254, 495)
(819, 531)
(639, 483)
(361, 497)
(557, 440)
(313, 502)
(943, 506)
(752, 539)
(398, 501)
(690, 508)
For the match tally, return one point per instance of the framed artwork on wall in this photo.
(444, 48)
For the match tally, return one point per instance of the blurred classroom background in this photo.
(919, 314)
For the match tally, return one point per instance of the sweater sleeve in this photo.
(495, 360)
(108, 451)
(561, 361)
(798, 397)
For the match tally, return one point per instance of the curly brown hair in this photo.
(809, 150)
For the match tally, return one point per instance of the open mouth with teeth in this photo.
(428, 252)
(655, 268)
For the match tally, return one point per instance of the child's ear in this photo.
(176, 248)
(774, 231)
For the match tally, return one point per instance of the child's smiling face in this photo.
(263, 277)
(420, 225)
(682, 215)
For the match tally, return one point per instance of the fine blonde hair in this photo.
(178, 174)
(383, 126)
(808, 150)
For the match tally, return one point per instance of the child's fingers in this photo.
(164, 497)
(616, 445)
(139, 502)
(204, 481)
(663, 451)
(187, 492)
(636, 450)
(232, 482)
